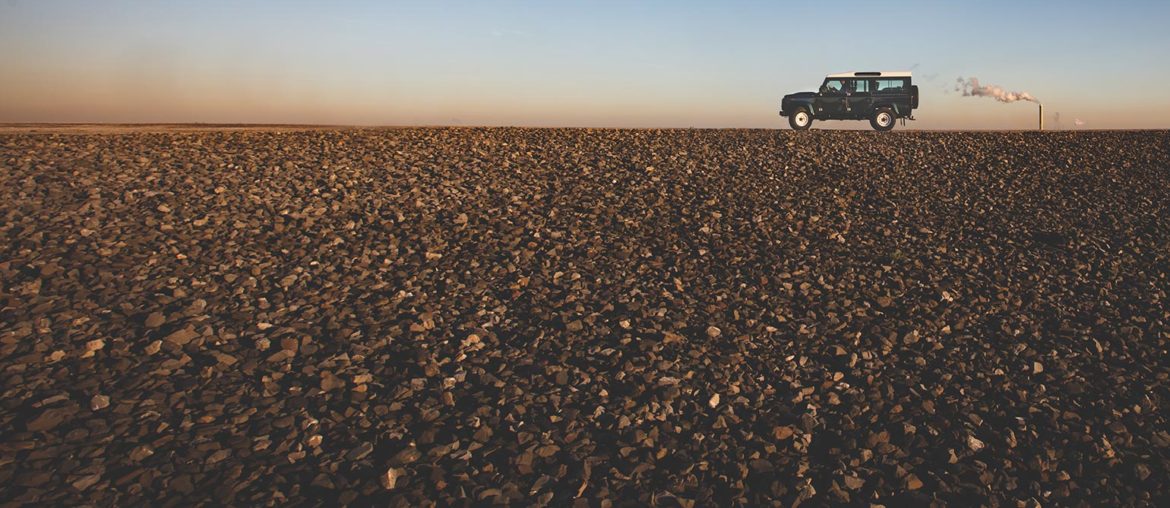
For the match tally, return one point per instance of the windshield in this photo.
(833, 86)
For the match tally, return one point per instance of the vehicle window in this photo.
(861, 86)
(890, 85)
(834, 86)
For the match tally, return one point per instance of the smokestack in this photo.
(1041, 116)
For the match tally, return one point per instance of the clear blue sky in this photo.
(597, 63)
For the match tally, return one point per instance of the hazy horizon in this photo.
(603, 64)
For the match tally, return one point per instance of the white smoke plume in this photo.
(1078, 122)
(971, 88)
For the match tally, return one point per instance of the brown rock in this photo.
(153, 348)
(361, 452)
(51, 418)
(406, 456)
(330, 381)
(782, 432)
(155, 320)
(389, 479)
(85, 482)
(182, 337)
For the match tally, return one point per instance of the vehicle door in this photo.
(890, 91)
(859, 98)
(831, 98)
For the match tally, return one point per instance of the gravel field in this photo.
(572, 317)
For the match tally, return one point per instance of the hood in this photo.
(801, 95)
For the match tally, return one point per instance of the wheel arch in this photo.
(886, 104)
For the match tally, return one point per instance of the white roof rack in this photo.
(875, 74)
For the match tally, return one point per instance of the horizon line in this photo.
(247, 125)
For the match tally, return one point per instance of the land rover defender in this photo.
(880, 97)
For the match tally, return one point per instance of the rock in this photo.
(85, 482)
(470, 341)
(331, 382)
(155, 320)
(713, 402)
(140, 452)
(912, 482)
(1142, 471)
(406, 456)
(99, 402)
(782, 432)
(50, 418)
(389, 479)
(153, 347)
(290, 344)
(713, 331)
(182, 336)
(359, 453)
(974, 444)
(218, 456)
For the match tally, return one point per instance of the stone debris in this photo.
(584, 317)
(155, 320)
(389, 479)
(974, 444)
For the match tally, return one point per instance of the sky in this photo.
(573, 63)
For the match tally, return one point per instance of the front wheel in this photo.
(800, 120)
(883, 119)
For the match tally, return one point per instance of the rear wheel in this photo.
(800, 120)
(882, 120)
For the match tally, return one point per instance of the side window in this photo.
(834, 86)
(891, 85)
(861, 86)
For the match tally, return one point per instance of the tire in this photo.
(883, 119)
(801, 119)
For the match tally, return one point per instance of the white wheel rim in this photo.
(801, 119)
(884, 119)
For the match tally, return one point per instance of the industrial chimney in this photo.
(1041, 116)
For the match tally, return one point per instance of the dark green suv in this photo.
(880, 97)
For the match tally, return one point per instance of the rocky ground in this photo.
(584, 318)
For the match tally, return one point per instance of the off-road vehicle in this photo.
(880, 97)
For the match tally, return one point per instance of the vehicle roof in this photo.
(872, 74)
